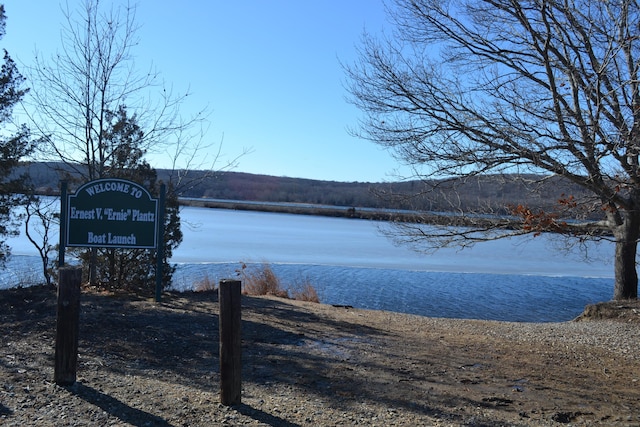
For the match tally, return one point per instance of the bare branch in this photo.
(468, 87)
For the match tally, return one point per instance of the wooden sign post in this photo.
(67, 325)
(104, 213)
(230, 321)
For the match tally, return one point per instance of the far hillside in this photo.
(484, 193)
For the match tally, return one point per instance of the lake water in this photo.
(350, 263)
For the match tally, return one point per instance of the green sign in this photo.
(111, 213)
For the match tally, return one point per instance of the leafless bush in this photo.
(205, 284)
(304, 291)
(261, 280)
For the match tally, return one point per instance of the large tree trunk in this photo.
(626, 275)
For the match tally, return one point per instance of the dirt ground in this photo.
(143, 363)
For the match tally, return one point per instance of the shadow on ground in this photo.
(176, 341)
(116, 408)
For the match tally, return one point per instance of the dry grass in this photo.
(261, 280)
(205, 284)
(304, 291)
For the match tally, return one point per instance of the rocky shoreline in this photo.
(147, 364)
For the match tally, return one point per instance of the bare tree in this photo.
(99, 115)
(492, 86)
(92, 77)
(40, 219)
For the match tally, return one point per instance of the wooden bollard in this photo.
(67, 325)
(230, 320)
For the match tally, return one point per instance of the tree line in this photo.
(482, 194)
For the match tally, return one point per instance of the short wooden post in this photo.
(230, 319)
(67, 325)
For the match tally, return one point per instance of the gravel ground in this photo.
(147, 364)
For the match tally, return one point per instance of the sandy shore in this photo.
(148, 364)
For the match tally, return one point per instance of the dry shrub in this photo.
(261, 281)
(205, 284)
(304, 291)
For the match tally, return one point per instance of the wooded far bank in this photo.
(482, 195)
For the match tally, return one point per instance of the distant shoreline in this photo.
(299, 208)
(375, 214)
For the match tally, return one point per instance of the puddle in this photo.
(336, 347)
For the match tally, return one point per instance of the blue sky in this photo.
(269, 72)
